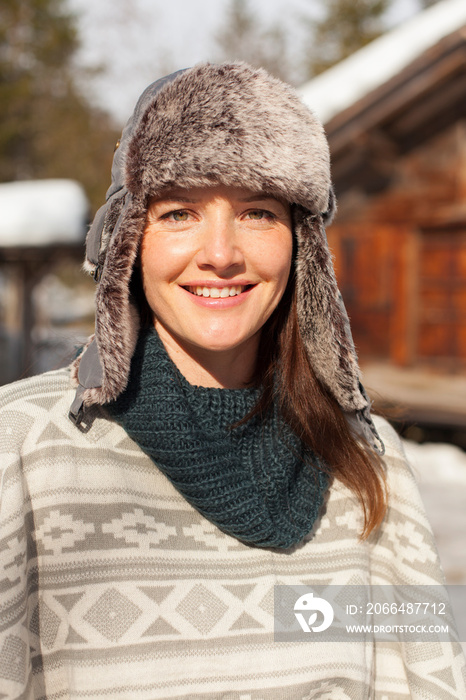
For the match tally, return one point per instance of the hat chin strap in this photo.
(90, 376)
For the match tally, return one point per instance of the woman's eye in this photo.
(260, 214)
(178, 215)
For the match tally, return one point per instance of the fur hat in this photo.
(225, 124)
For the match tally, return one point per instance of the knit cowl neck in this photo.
(256, 481)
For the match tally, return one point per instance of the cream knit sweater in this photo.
(112, 586)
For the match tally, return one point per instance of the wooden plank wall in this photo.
(400, 259)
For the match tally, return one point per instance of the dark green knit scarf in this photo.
(256, 482)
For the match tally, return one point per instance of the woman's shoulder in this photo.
(34, 413)
(405, 536)
(394, 456)
(43, 387)
(27, 403)
(42, 391)
(400, 475)
(388, 434)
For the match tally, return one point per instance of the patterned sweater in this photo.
(113, 586)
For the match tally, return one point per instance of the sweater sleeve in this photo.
(24, 414)
(15, 660)
(404, 554)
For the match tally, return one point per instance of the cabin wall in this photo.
(400, 258)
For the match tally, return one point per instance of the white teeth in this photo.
(217, 292)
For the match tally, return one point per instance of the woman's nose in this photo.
(220, 248)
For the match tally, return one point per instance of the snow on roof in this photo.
(345, 83)
(42, 212)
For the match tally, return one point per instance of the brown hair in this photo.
(313, 414)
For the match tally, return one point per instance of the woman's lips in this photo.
(217, 292)
(224, 296)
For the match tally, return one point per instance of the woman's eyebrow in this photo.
(175, 197)
(257, 197)
(263, 197)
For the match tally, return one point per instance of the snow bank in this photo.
(374, 64)
(42, 212)
(437, 463)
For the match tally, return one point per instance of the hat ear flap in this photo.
(117, 319)
(324, 324)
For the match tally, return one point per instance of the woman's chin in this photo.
(223, 343)
(217, 343)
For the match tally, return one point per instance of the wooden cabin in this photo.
(399, 238)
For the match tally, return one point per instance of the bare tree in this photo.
(343, 27)
(243, 36)
(47, 127)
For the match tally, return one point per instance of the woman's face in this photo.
(215, 263)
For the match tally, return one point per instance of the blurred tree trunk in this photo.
(47, 128)
(335, 30)
(243, 36)
(344, 27)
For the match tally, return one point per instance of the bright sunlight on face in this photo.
(215, 263)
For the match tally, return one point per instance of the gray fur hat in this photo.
(225, 124)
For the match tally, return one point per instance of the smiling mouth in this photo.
(218, 292)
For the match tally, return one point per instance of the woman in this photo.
(220, 441)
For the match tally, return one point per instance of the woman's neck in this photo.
(226, 369)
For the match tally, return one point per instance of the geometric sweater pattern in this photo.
(113, 587)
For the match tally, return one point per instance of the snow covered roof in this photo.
(42, 212)
(347, 82)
